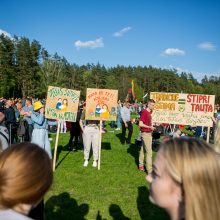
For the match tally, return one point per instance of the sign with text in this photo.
(101, 104)
(62, 103)
(185, 109)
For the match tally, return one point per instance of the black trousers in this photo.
(74, 133)
(12, 130)
(130, 131)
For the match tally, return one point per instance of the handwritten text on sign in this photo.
(101, 104)
(62, 103)
(179, 108)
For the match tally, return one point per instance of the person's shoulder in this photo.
(144, 112)
(10, 214)
(31, 107)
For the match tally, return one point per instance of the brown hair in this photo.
(151, 100)
(194, 165)
(25, 174)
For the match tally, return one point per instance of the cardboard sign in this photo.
(101, 104)
(185, 109)
(62, 103)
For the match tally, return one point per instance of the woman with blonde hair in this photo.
(217, 137)
(25, 176)
(185, 180)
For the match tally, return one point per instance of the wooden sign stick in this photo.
(100, 143)
(55, 148)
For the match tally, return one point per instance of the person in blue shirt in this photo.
(26, 109)
(40, 133)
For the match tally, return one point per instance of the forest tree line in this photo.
(27, 69)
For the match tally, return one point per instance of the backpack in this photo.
(4, 138)
(22, 126)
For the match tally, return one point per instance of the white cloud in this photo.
(5, 33)
(207, 46)
(173, 52)
(92, 44)
(122, 32)
(197, 75)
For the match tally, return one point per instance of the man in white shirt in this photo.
(126, 123)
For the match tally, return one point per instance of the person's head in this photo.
(104, 106)
(25, 176)
(127, 104)
(28, 102)
(8, 103)
(151, 104)
(37, 106)
(98, 106)
(2, 117)
(65, 102)
(185, 180)
(19, 105)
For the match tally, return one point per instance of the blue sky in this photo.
(179, 34)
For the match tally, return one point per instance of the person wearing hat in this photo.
(40, 133)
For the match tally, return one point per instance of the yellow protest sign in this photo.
(101, 104)
(62, 103)
(185, 109)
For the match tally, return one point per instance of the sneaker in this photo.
(117, 129)
(85, 163)
(141, 167)
(94, 164)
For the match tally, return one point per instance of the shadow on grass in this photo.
(134, 151)
(120, 137)
(106, 145)
(116, 213)
(64, 207)
(147, 210)
(59, 149)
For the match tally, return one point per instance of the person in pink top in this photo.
(146, 128)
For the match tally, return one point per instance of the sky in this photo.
(180, 34)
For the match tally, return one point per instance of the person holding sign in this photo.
(90, 134)
(146, 128)
(40, 133)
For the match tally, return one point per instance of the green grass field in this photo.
(116, 191)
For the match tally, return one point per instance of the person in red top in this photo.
(146, 128)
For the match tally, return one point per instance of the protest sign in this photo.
(185, 109)
(101, 104)
(62, 103)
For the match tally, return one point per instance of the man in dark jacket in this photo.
(10, 121)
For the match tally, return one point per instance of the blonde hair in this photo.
(217, 138)
(195, 166)
(25, 175)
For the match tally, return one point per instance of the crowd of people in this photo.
(184, 178)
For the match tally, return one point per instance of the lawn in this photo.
(116, 191)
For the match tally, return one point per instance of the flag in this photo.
(131, 94)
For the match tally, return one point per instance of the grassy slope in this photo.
(117, 191)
